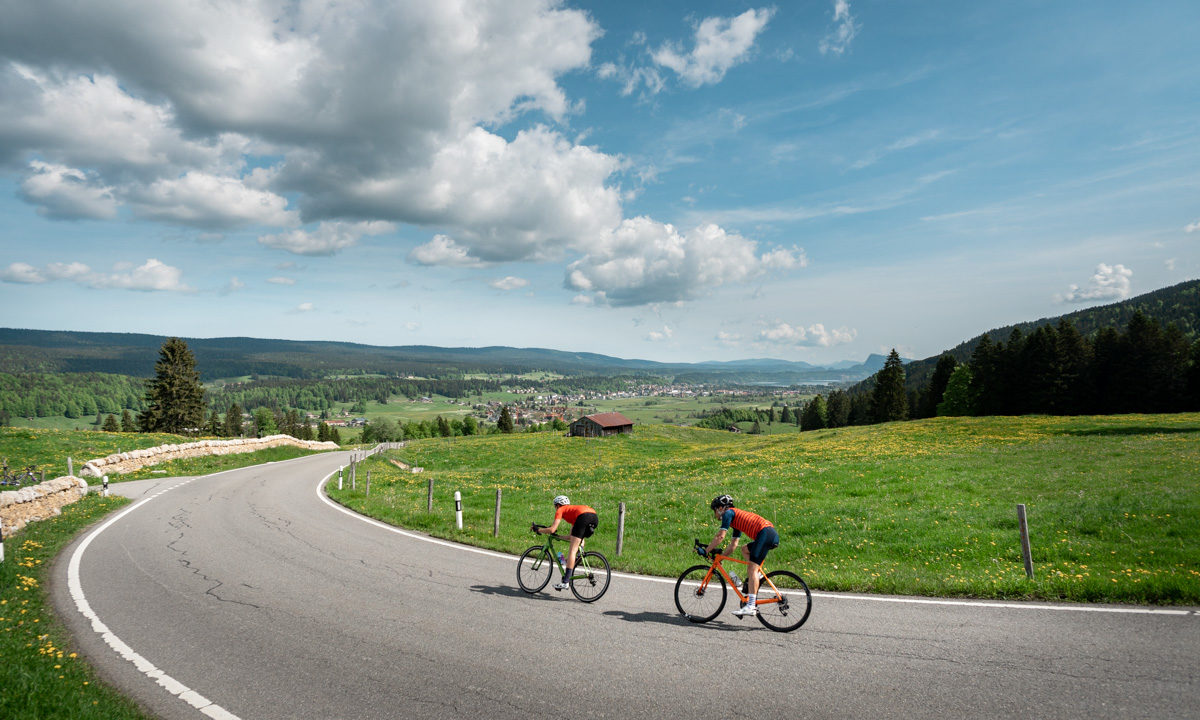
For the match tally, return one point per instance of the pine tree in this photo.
(443, 427)
(837, 409)
(785, 415)
(233, 421)
(174, 396)
(127, 423)
(110, 424)
(505, 424)
(814, 416)
(890, 401)
(946, 365)
(215, 426)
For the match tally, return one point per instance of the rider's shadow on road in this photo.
(509, 591)
(660, 617)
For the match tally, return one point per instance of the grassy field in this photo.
(40, 677)
(924, 508)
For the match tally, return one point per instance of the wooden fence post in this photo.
(620, 527)
(1025, 553)
(496, 521)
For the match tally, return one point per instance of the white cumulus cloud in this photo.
(720, 43)
(1192, 227)
(65, 193)
(1110, 282)
(644, 261)
(815, 335)
(152, 275)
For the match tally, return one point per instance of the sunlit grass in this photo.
(926, 507)
(40, 675)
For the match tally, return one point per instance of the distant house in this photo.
(602, 424)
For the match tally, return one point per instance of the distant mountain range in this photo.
(135, 354)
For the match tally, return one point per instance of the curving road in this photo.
(245, 594)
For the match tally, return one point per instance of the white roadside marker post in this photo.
(458, 509)
(104, 492)
(340, 476)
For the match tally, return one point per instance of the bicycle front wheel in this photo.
(591, 576)
(787, 609)
(700, 600)
(534, 569)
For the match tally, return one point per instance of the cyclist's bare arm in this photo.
(717, 540)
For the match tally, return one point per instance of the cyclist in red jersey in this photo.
(583, 521)
(762, 534)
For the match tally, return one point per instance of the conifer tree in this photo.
(233, 421)
(837, 409)
(937, 384)
(505, 423)
(814, 416)
(110, 424)
(215, 426)
(174, 396)
(890, 401)
(127, 423)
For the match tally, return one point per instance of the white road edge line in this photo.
(147, 668)
(866, 598)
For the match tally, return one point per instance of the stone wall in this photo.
(45, 500)
(18, 508)
(119, 463)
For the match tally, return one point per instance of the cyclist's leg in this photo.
(756, 553)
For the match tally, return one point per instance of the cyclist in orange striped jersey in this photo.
(760, 531)
(583, 521)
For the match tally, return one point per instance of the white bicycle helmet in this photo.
(562, 500)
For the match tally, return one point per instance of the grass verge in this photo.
(39, 675)
(916, 508)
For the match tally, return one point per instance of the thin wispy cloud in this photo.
(843, 32)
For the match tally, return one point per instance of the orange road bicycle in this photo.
(588, 581)
(783, 601)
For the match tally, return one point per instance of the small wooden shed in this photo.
(601, 425)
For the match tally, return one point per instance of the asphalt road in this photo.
(246, 594)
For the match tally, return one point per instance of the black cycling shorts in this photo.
(766, 541)
(584, 525)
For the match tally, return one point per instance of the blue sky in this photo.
(672, 181)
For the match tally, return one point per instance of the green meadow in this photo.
(917, 508)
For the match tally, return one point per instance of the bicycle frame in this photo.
(716, 565)
(562, 568)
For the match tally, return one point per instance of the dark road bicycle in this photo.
(537, 565)
(16, 479)
(783, 602)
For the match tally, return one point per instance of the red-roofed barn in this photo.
(601, 424)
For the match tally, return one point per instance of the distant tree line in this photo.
(320, 395)
(1054, 370)
(73, 395)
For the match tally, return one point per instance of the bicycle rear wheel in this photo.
(787, 609)
(534, 569)
(697, 600)
(591, 576)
